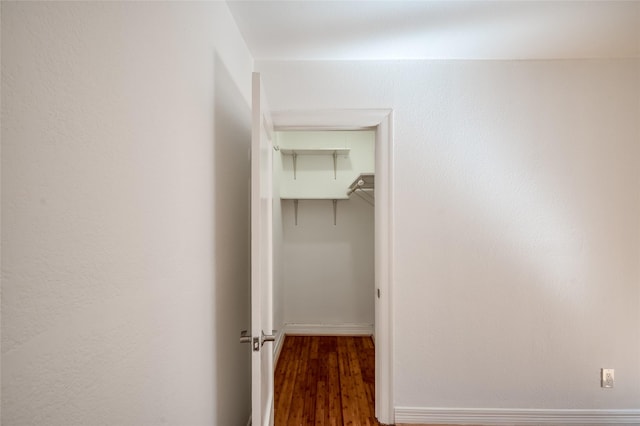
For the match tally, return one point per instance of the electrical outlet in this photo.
(606, 377)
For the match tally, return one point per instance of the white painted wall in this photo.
(329, 270)
(517, 238)
(125, 137)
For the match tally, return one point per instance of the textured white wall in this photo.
(517, 240)
(125, 132)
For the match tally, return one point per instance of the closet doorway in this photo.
(332, 231)
(324, 279)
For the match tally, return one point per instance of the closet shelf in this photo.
(315, 198)
(315, 151)
(335, 206)
(334, 152)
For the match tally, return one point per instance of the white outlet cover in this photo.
(606, 377)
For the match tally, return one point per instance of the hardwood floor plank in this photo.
(315, 347)
(347, 392)
(289, 360)
(321, 402)
(361, 400)
(284, 380)
(296, 412)
(311, 391)
(366, 354)
(335, 403)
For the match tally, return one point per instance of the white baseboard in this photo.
(479, 416)
(329, 329)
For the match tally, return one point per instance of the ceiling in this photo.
(400, 29)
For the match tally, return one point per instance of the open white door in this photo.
(261, 259)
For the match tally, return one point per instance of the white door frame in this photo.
(380, 120)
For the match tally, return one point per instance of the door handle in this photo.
(268, 337)
(244, 337)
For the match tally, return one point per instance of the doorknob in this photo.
(268, 337)
(244, 337)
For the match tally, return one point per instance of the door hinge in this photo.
(256, 344)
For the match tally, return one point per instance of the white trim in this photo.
(333, 119)
(384, 243)
(516, 416)
(277, 347)
(382, 121)
(269, 417)
(329, 329)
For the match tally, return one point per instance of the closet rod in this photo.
(363, 181)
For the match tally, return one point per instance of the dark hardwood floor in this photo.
(325, 380)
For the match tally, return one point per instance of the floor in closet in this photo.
(325, 380)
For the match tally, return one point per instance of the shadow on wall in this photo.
(231, 177)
